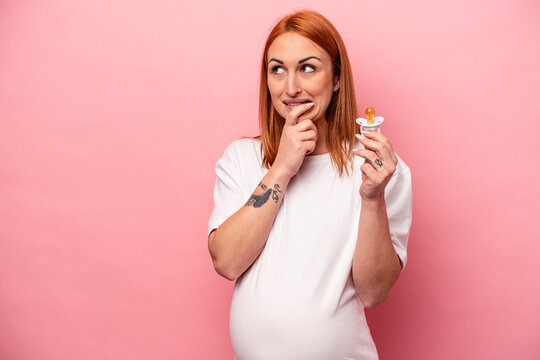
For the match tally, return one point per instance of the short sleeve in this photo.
(228, 194)
(398, 198)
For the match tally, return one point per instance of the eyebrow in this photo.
(299, 61)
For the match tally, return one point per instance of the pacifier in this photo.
(371, 123)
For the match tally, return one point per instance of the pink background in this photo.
(114, 113)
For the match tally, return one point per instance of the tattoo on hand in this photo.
(378, 162)
(259, 200)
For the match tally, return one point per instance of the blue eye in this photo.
(275, 70)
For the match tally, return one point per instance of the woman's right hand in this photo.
(297, 140)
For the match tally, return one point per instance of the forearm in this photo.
(236, 244)
(376, 266)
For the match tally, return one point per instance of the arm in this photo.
(376, 266)
(239, 240)
(237, 243)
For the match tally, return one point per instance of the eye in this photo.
(275, 70)
(308, 68)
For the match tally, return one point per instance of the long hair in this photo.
(341, 112)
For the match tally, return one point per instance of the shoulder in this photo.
(241, 148)
(242, 158)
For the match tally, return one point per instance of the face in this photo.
(300, 71)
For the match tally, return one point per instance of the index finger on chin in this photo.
(296, 112)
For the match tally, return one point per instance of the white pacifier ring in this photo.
(364, 126)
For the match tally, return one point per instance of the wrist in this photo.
(280, 176)
(374, 202)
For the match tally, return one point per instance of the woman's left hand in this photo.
(379, 166)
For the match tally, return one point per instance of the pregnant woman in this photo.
(310, 218)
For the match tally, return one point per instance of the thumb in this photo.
(296, 111)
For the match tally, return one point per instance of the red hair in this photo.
(341, 112)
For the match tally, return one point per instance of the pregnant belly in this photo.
(269, 328)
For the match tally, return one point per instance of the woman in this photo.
(309, 244)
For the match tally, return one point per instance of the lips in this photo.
(291, 103)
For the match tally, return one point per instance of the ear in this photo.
(336, 83)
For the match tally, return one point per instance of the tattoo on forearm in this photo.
(259, 200)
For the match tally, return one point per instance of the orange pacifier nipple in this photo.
(370, 113)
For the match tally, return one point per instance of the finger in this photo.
(375, 135)
(376, 146)
(384, 140)
(310, 146)
(305, 125)
(370, 172)
(371, 157)
(308, 135)
(292, 118)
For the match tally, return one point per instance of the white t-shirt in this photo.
(298, 301)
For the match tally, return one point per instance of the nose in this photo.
(293, 85)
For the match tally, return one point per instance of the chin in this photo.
(314, 117)
(305, 117)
